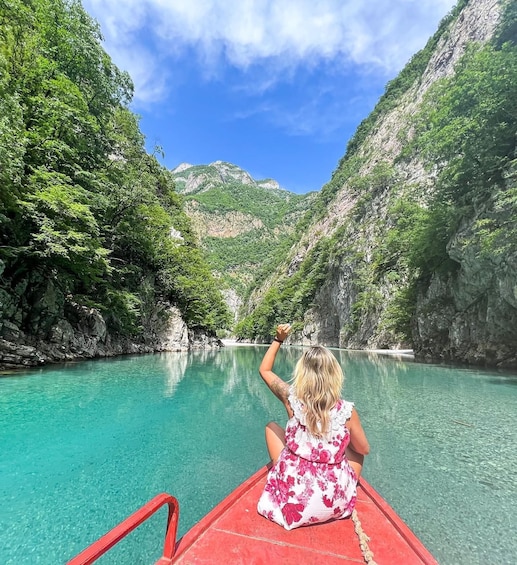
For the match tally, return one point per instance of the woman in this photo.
(318, 459)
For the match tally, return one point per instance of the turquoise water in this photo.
(83, 446)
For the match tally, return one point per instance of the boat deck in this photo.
(234, 533)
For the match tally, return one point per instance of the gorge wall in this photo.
(97, 256)
(369, 295)
(57, 329)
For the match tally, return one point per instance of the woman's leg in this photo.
(275, 440)
(355, 459)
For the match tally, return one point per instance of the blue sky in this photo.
(276, 87)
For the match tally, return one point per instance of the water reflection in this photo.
(175, 365)
(235, 367)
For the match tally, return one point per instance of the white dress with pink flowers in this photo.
(312, 480)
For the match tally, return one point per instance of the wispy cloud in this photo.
(280, 33)
(322, 114)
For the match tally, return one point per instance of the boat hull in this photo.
(234, 533)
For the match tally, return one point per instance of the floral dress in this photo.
(312, 480)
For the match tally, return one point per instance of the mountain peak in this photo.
(199, 178)
(182, 167)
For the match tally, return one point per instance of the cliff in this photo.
(413, 238)
(97, 256)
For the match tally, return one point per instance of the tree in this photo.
(81, 201)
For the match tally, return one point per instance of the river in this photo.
(85, 444)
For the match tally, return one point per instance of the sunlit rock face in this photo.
(468, 315)
(57, 329)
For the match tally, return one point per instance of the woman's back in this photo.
(317, 459)
(331, 446)
(312, 480)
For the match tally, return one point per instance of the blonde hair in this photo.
(317, 381)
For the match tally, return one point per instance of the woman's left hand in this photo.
(282, 331)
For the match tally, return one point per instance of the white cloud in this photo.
(149, 77)
(281, 33)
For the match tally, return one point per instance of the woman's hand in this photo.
(282, 331)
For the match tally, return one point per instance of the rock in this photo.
(200, 340)
(233, 300)
(13, 355)
(7, 306)
(470, 316)
(45, 307)
(62, 333)
(83, 334)
(174, 335)
(10, 332)
(221, 224)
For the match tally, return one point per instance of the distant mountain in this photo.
(200, 178)
(242, 223)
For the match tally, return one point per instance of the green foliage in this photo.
(496, 229)
(71, 39)
(246, 251)
(398, 313)
(467, 130)
(189, 280)
(267, 205)
(507, 29)
(12, 144)
(348, 173)
(292, 297)
(368, 297)
(81, 202)
(64, 232)
(471, 131)
(121, 310)
(417, 238)
(289, 298)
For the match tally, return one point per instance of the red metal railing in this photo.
(107, 541)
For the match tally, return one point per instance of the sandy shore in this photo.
(404, 353)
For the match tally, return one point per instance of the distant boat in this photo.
(234, 533)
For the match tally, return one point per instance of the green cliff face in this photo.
(95, 248)
(412, 241)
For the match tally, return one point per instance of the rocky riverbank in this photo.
(83, 334)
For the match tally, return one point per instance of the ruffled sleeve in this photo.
(341, 413)
(297, 406)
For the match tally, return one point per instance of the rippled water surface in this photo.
(83, 446)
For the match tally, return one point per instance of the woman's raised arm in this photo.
(277, 386)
